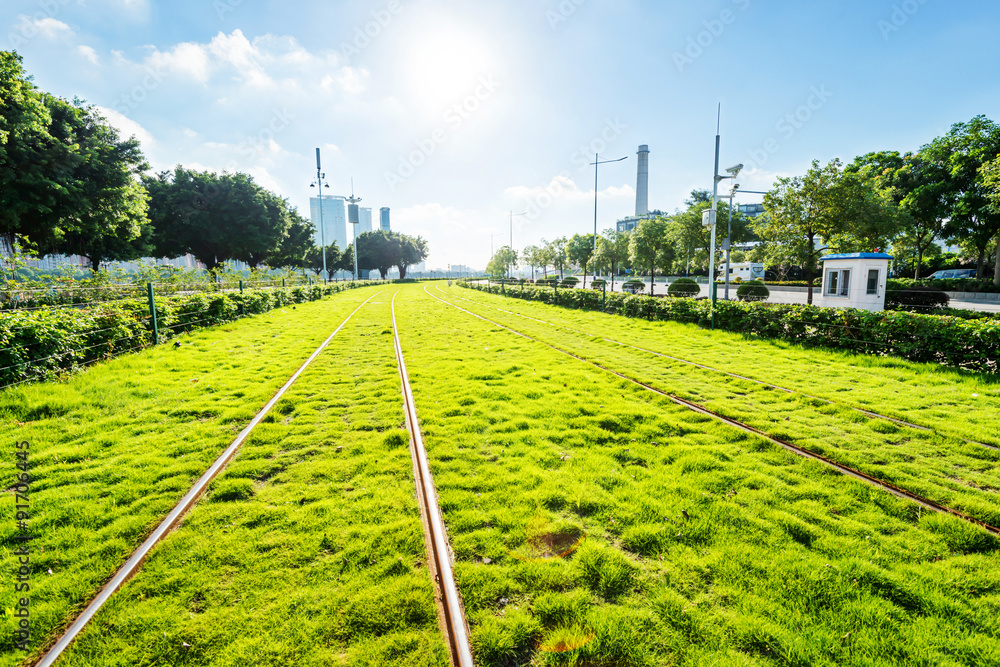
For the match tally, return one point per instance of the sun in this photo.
(445, 63)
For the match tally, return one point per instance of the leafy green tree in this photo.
(314, 260)
(580, 250)
(297, 244)
(612, 251)
(412, 250)
(556, 250)
(501, 261)
(825, 209)
(215, 217)
(103, 215)
(964, 153)
(546, 257)
(650, 246)
(377, 251)
(347, 261)
(920, 190)
(530, 256)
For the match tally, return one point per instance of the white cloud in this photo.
(88, 53)
(127, 127)
(351, 79)
(187, 59)
(236, 51)
(47, 27)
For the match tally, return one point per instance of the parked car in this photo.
(959, 274)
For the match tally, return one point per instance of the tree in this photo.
(377, 251)
(649, 246)
(530, 256)
(215, 217)
(314, 260)
(843, 211)
(557, 252)
(412, 250)
(347, 261)
(612, 251)
(103, 214)
(919, 189)
(297, 244)
(501, 260)
(580, 250)
(963, 154)
(546, 257)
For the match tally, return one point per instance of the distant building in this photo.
(365, 221)
(384, 219)
(628, 224)
(334, 220)
(751, 210)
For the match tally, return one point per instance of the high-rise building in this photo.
(334, 220)
(365, 221)
(384, 219)
(642, 183)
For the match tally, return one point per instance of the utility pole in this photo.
(320, 176)
(354, 217)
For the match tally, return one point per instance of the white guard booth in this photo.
(855, 280)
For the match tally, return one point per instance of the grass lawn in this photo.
(308, 550)
(944, 468)
(594, 522)
(115, 447)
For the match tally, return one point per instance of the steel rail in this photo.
(135, 561)
(795, 449)
(456, 627)
(868, 413)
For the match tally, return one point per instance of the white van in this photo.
(744, 271)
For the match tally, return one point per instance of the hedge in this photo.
(41, 344)
(949, 341)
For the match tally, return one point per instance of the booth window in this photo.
(838, 282)
(873, 281)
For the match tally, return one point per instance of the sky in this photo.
(456, 114)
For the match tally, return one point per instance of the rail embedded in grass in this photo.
(307, 549)
(781, 442)
(453, 612)
(190, 498)
(702, 541)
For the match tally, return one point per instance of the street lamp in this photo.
(320, 183)
(709, 220)
(512, 214)
(597, 161)
(354, 217)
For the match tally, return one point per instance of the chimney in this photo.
(642, 183)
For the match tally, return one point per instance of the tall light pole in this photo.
(511, 269)
(709, 218)
(320, 184)
(597, 162)
(354, 217)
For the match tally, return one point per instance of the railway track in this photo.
(868, 413)
(788, 446)
(451, 612)
(135, 561)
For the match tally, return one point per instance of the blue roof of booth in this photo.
(858, 255)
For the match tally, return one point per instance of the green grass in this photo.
(946, 469)
(925, 394)
(308, 551)
(114, 448)
(702, 545)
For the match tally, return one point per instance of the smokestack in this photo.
(642, 183)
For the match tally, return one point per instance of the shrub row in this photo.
(972, 344)
(41, 344)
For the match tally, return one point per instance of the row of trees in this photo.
(70, 185)
(949, 190)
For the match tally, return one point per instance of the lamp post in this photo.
(353, 216)
(597, 162)
(709, 218)
(511, 269)
(320, 184)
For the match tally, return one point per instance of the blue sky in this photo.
(454, 113)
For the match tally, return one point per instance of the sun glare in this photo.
(446, 64)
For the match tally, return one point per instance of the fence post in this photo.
(604, 297)
(152, 313)
(243, 308)
(282, 283)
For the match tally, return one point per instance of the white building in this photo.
(855, 280)
(365, 224)
(334, 220)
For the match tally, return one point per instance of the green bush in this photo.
(598, 284)
(684, 287)
(41, 344)
(571, 279)
(972, 344)
(754, 290)
(920, 298)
